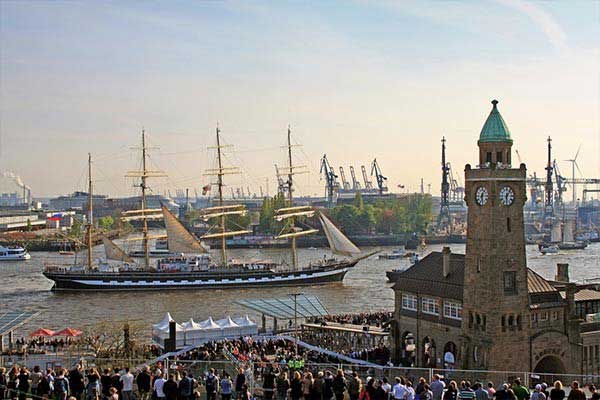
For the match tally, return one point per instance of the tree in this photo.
(106, 223)
(76, 228)
(358, 201)
(29, 225)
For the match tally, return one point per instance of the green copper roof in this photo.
(495, 129)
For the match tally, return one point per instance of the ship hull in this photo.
(128, 281)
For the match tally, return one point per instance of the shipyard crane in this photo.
(368, 183)
(330, 179)
(561, 183)
(355, 182)
(456, 189)
(444, 215)
(381, 180)
(345, 183)
(549, 190)
(282, 186)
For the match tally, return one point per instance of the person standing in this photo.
(170, 388)
(283, 385)
(61, 386)
(452, 391)
(240, 380)
(466, 393)
(23, 385)
(36, 377)
(144, 383)
(399, 389)
(318, 385)
(159, 384)
(114, 393)
(538, 394)
(296, 386)
(354, 386)
(328, 386)
(226, 386)
(557, 392)
(77, 383)
(339, 385)
(268, 384)
(186, 386)
(481, 393)
(3, 383)
(105, 383)
(576, 392)
(126, 384)
(490, 389)
(521, 392)
(211, 384)
(437, 387)
(93, 385)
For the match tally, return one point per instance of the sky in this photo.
(355, 80)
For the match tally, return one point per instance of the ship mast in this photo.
(291, 196)
(222, 210)
(220, 185)
(90, 223)
(144, 214)
(144, 187)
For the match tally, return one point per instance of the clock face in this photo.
(507, 196)
(481, 195)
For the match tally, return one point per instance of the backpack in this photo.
(210, 383)
(185, 386)
(60, 385)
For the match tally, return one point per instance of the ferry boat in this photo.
(193, 267)
(13, 253)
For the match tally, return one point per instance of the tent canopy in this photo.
(68, 332)
(42, 332)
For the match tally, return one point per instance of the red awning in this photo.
(69, 332)
(42, 332)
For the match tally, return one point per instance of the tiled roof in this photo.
(495, 129)
(426, 277)
(584, 295)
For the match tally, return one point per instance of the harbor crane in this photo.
(368, 183)
(331, 182)
(381, 180)
(444, 215)
(282, 186)
(355, 182)
(345, 183)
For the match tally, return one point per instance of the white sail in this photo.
(296, 234)
(556, 234)
(114, 252)
(338, 243)
(568, 231)
(179, 239)
(281, 217)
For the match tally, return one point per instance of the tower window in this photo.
(499, 156)
(508, 224)
(510, 282)
(488, 157)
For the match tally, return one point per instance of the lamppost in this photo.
(295, 296)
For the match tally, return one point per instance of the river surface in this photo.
(365, 288)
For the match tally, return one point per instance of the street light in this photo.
(295, 296)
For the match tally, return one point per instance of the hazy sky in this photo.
(355, 79)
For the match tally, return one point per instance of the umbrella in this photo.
(69, 332)
(42, 332)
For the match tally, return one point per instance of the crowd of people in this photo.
(378, 318)
(277, 380)
(39, 345)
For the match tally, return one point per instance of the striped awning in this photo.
(299, 305)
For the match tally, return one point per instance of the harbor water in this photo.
(365, 288)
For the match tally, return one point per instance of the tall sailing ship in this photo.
(191, 266)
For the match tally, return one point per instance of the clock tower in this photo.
(495, 323)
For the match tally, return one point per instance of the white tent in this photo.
(230, 328)
(196, 333)
(247, 326)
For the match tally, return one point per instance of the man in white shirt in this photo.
(159, 383)
(386, 387)
(399, 389)
(127, 382)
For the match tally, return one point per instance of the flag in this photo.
(55, 217)
(205, 189)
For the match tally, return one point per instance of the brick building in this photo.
(486, 309)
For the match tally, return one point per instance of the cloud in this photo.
(543, 20)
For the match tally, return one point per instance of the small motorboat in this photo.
(548, 248)
(393, 255)
(13, 253)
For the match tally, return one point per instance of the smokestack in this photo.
(562, 272)
(446, 261)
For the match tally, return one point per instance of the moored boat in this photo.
(13, 253)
